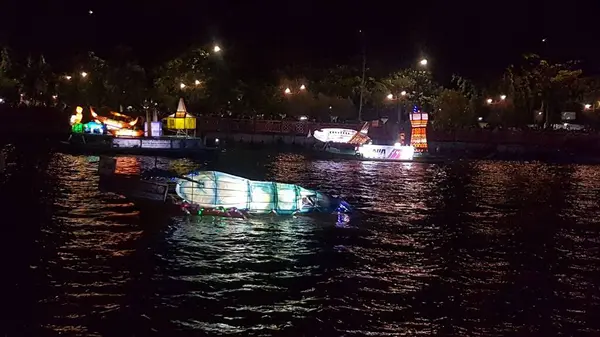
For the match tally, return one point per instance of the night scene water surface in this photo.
(463, 249)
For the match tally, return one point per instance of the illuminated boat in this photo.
(213, 190)
(212, 193)
(396, 152)
(342, 135)
(415, 151)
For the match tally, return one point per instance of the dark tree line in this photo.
(533, 92)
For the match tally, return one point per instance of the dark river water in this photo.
(466, 249)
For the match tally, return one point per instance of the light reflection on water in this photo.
(469, 249)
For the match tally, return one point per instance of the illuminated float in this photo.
(217, 194)
(92, 127)
(212, 189)
(342, 135)
(399, 151)
(118, 125)
(182, 122)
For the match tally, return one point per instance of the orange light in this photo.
(128, 133)
(418, 134)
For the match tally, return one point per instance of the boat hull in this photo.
(106, 145)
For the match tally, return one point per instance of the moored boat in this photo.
(164, 146)
(212, 193)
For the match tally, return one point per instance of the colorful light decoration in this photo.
(93, 127)
(78, 116)
(418, 134)
(128, 133)
(113, 124)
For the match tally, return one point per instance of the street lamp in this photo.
(84, 74)
(423, 62)
(403, 93)
(503, 97)
(390, 96)
(302, 87)
(216, 49)
(588, 106)
(181, 85)
(197, 82)
(489, 101)
(68, 78)
(287, 91)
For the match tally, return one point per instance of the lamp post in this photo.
(398, 98)
(364, 70)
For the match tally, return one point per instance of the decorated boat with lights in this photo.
(362, 148)
(213, 193)
(117, 133)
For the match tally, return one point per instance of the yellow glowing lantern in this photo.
(181, 119)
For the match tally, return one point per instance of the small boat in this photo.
(213, 193)
(370, 152)
(212, 189)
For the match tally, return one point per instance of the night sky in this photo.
(475, 39)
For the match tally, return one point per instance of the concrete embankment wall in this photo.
(440, 147)
(262, 139)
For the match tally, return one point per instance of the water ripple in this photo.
(467, 249)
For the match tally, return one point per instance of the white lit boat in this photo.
(396, 152)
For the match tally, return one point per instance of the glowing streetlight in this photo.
(287, 91)
(216, 49)
(68, 78)
(84, 74)
(54, 96)
(303, 87)
(390, 96)
(90, 12)
(181, 85)
(423, 62)
(503, 97)
(588, 106)
(489, 101)
(197, 82)
(403, 93)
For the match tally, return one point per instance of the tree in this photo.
(539, 85)
(125, 81)
(8, 83)
(411, 87)
(186, 76)
(36, 82)
(453, 110)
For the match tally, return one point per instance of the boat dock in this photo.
(160, 146)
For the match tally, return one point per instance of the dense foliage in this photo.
(533, 92)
